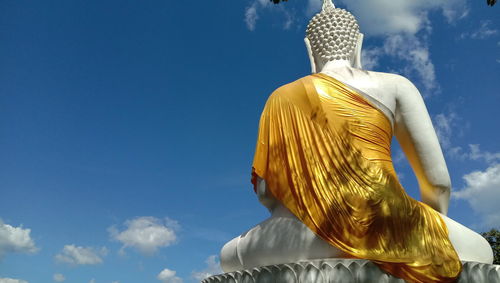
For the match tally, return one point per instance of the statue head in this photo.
(333, 34)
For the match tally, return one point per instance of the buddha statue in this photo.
(323, 169)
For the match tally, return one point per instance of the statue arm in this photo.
(418, 139)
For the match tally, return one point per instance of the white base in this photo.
(341, 271)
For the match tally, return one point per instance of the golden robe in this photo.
(325, 153)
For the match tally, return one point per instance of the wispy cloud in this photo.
(10, 280)
(146, 234)
(412, 52)
(76, 255)
(445, 124)
(251, 16)
(405, 27)
(252, 13)
(398, 156)
(289, 19)
(15, 240)
(474, 152)
(371, 57)
(482, 187)
(212, 268)
(58, 277)
(485, 30)
(448, 126)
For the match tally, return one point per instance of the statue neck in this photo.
(336, 64)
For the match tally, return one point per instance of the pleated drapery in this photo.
(324, 151)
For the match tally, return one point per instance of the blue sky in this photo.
(123, 121)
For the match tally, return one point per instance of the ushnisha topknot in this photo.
(333, 33)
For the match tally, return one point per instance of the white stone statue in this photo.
(283, 238)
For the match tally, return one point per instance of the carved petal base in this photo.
(341, 271)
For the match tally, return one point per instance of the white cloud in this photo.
(412, 51)
(81, 255)
(397, 16)
(252, 13)
(400, 24)
(370, 57)
(15, 240)
(405, 26)
(58, 277)
(474, 152)
(289, 19)
(10, 280)
(387, 17)
(398, 156)
(92, 280)
(484, 31)
(213, 268)
(251, 16)
(146, 234)
(457, 153)
(482, 192)
(168, 276)
(477, 154)
(446, 126)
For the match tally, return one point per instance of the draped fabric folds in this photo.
(324, 151)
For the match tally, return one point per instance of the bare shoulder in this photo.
(401, 87)
(392, 79)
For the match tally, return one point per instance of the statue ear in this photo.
(311, 56)
(357, 53)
